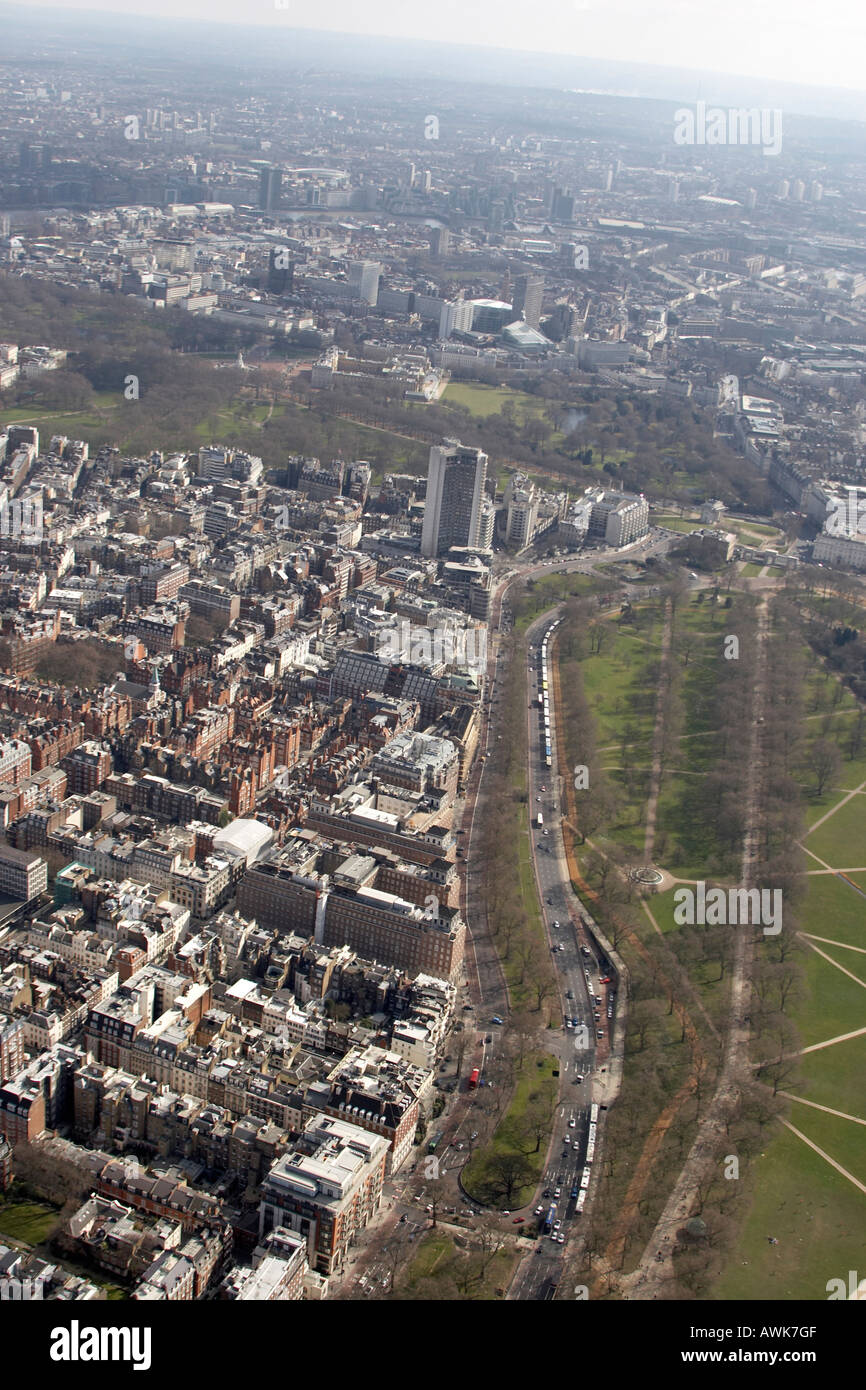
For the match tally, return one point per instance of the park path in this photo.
(826, 1157)
(843, 801)
(828, 1109)
(827, 941)
(824, 956)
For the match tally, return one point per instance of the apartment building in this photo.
(378, 1090)
(23, 874)
(326, 1189)
(618, 518)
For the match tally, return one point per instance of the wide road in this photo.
(391, 1239)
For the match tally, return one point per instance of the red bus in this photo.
(473, 1080)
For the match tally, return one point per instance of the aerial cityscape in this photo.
(432, 674)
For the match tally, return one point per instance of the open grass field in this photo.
(549, 589)
(489, 400)
(835, 1003)
(835, 911)
(29, 1222)
(841, 840)
(437, 1256)
(814, 1213)
(536, 1086)
(833, 1076)
(108, 418)
(677, 523)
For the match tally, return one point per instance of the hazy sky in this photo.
(820, 42)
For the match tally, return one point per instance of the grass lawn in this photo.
(489, 400)
(29, 1222)
(834, 1076)
(854, 962)
(616, 685)
(818, 806)
(437, 1250)
(551, 588)
(836, 1004)
(535, 1084)
(844, 1139)
(833, 909)
(434, 1247)
(841, 840)
(750, 571)
(814, 1213)
(677, 523)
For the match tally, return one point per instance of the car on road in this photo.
(599, 1032)
(557, 1192)
(555, 924)
(546, 1192)
(489, 1038)
(569, 994)
(473, 1135)
(577, 1080)
(556, 1225)
(519, 1221)
(561, 1238)
(572, 1122)
(575, 1190)
(568, 1023)
(585, 950)
(496, 1019)
(566, 1139)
